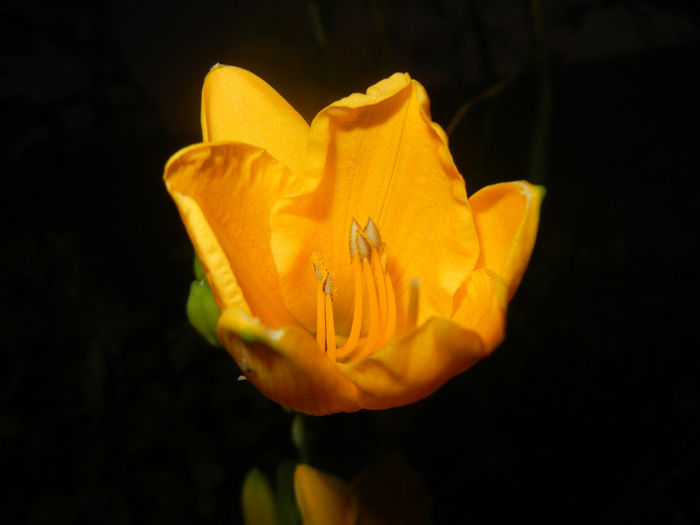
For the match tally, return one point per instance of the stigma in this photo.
(374, 303)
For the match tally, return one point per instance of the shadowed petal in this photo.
(224, 193)
(506, 216)
(286, 365)
(240, 106)
(413, 366)
(378, 155)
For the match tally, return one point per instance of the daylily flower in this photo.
(350, 268)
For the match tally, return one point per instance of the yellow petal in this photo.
(506, 216)
(239, 106)
(377, 155)
(482, 309)
(286, 365)
(415, 365)
(224, 193)
(323, 498)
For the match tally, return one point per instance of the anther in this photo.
(374, 298)
(321, 275)
(328, 286)
(354, 230)
(363, 246)
(330, 324)
(373, 235)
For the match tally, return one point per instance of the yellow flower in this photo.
(390, 494)
(350, 268)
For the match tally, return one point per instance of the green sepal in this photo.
(198, 269)
(202, 310)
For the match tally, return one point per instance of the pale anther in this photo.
(354, 229)
(363, 246)
(328, 287)
(373, 235)
(319, 267)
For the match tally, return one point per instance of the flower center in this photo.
(374, 299)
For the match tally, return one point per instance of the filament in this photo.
(356, 327)
(374, 298)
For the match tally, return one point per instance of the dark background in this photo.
(112, 410)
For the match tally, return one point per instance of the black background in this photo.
(112, 410)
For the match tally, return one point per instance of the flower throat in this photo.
(374, 298)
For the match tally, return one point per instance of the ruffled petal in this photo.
(240, 106)
(377, 155)
(286, 365)
(506, 216)
(414, 365)
(224, 193)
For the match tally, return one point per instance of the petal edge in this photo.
(506, 216)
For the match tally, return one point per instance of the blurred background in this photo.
(113, 410)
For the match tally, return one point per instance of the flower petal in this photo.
(286, 365)
(413, 366)
(378, 155)
(482, 309)
(322, 498)
(224, 193)
(239, 106)
(506, 216)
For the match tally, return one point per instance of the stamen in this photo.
(373, 330)
(354, 336)
(330, 325)
(373, 235)
(354, 230)
(321, 274)
(363, 247)
(372, 283)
